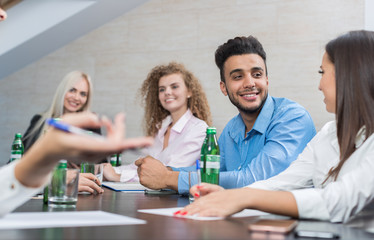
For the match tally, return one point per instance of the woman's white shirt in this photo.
(338, 200)
(13, 193)
(185, 141)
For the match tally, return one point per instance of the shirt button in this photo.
(12, 186)
(240, 167)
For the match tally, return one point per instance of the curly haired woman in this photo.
(176, 114)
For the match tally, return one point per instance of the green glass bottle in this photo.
(17, 148)
(202, 152)
(116, 159)
(45, 195)
(57, 188)
(210, 158)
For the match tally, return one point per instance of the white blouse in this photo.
(185, 141)
(338, 200)
(13, 193)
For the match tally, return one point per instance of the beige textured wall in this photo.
(119, 55)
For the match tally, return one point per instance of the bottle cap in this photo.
(211, 130)
(18, 135)
(62, 164)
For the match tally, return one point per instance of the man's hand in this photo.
(153, 174)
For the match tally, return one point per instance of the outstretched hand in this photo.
(38, 162)
(81, 148)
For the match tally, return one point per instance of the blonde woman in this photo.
(30, 175)
(176, 113)
(73, 95)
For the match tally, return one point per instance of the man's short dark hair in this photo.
(238, 46)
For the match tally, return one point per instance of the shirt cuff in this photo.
(129, 173)
(310, 204)
(184, 169)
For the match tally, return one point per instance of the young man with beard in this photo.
(261, 141)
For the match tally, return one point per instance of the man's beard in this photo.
(247, 110)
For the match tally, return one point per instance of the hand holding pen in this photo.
(82, 132)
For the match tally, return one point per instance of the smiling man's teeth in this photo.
(249, 95)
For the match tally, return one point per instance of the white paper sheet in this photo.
(21, 220)
(169, 212)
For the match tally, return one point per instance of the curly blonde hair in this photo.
(155, 113)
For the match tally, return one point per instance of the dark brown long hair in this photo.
(353, 57)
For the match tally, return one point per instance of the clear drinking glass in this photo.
(190, 197)
(63, 189)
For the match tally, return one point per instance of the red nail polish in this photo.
(200, 187)
(183, 213)
(177, 212)
(197, 195)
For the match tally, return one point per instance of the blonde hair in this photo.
(155, 113)
(57, 107)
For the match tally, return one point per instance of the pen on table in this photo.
(71, 129)
(198, 175)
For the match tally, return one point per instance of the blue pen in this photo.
(79, 131)
(198, 174)
(71, 129)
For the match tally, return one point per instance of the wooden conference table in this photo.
(162, 227)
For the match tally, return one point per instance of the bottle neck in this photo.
(62, 164)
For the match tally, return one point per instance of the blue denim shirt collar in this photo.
(237, 129)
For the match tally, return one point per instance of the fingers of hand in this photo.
(89, 183)
(83, 119)
(85, 189)
(139, 162)
(119, 123)
(89, 176)
(139, 142)
(194, 190)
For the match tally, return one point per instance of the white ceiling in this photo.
(35, 28)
